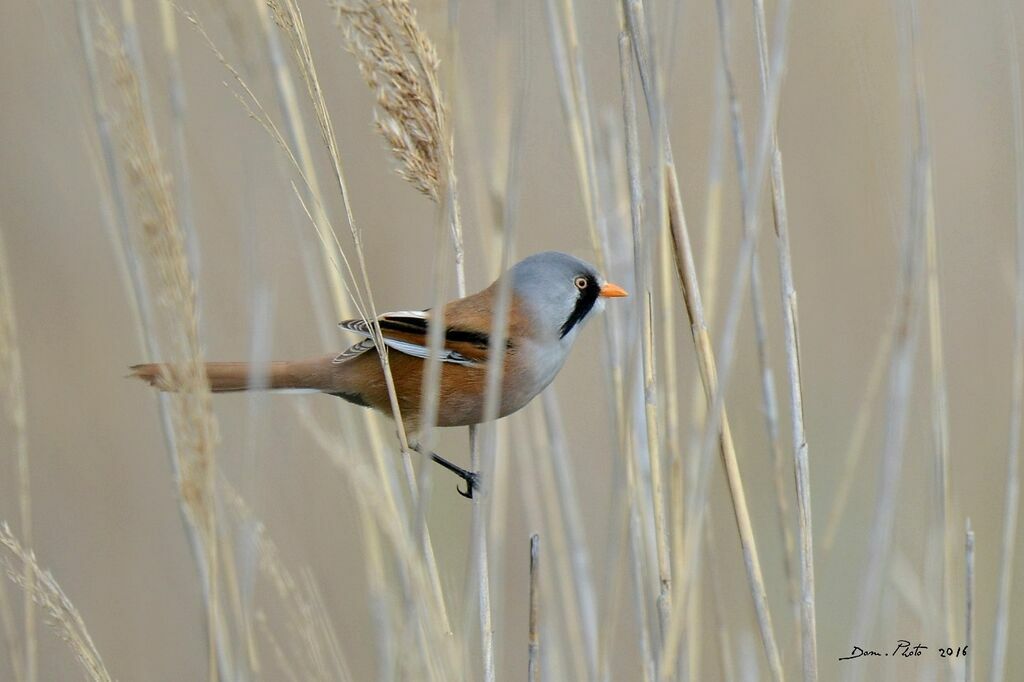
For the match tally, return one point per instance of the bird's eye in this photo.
(581, 283)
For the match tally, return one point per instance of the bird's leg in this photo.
(471, 478)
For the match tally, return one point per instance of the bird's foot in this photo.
(472, 480)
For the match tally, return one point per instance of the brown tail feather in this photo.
(225, 377)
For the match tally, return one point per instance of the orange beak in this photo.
(610, 290)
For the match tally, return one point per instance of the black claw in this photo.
(472, 480)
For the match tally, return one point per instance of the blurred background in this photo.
(104, 504)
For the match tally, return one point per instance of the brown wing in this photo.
(467, 332)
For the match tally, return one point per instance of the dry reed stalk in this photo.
(194, 424)
(298, 154)
(12, 383)
(794, 372)
(533, 653)
(183, 199)
(672, 435)
(511, 84)
(640, 256)
(768, 394)
(711, 386)
(904, 345)
(245, 648)
(939, 393)
(495, 368)
(858, 434)
(437, 652)
(710, 265)
(629, 511)
(561, 517)
(574, 98)
(119, 225)
(643, 279)
(10, 635)
(613, 181)
(717, 423)
(969, 602)
(649, 668)
(315, 651)
(315, 642)
(44, 591)
(725, 648)
(289, 18)
(1011, 508)
(572, 88)
(398, 60)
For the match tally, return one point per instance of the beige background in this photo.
(106, 519)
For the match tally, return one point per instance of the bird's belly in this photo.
(463, 391)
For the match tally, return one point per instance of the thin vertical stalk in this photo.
(717, 423)
(1012, 496)
(562, 542)
(939, 399)
(646, 329)
(904, 349)
(969, 608)
(139, 292)
(299, 39)
(648, 664)
(768, 394)
(573, 94)
(790, 320)
(495, 365)
(533, 665)
(858, 434)
(725, 649)
(299, 150)
(12, 382)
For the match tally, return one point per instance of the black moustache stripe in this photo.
(584, 303)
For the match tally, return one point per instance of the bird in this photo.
(553, 294)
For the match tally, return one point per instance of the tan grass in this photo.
(643, 278)
(1011, 501)
(164, 245)
(794, 373)
(63, 617)
(969, 602)
(12, 382)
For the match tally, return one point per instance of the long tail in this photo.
(314, 374)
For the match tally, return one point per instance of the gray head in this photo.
(560, 292)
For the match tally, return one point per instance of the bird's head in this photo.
(559, 293)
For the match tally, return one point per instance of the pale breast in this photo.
(529, 371)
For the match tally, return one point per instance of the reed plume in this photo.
(42, 589)
(400, 64)
(194, 425)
